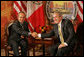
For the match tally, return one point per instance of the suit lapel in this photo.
(21, 25)
(56, 30)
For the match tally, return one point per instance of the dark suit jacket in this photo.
(67, 31)
(16, 30)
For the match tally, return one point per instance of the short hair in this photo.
(57, 11)
(21, 12)
(60, 13)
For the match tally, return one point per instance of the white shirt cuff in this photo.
(65, 43)
(29, 33)
(39, 35)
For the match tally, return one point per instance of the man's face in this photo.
(21, 17)
(57, 18)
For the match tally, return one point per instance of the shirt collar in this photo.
(60, 22)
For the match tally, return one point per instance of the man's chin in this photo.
(21, 22)
(54, 22)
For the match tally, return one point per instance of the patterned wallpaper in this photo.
(6, 10)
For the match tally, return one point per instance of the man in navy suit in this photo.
(62, 30)
(18, 32)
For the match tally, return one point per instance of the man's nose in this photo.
(22, 18)
(55, 18)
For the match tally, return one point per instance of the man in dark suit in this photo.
(62, 30)
(18, 32)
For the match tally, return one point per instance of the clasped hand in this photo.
(61, 45)
(34, 34)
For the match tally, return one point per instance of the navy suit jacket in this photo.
(67, 31)
(16, 30)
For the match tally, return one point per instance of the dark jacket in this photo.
(67, 31)
(16, 30)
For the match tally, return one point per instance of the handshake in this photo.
(34, 34)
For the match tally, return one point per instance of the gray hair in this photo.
(60, 13)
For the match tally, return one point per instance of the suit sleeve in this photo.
(18, 30)
(26, 26)
(71, 32)
(45, 35)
